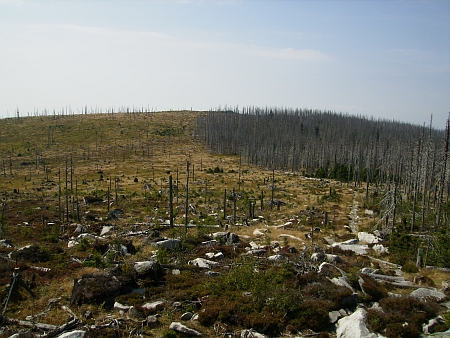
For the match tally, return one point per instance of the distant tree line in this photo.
(404, 167)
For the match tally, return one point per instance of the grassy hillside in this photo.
(49, 164)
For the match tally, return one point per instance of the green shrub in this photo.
(410, 267)
(169, 334)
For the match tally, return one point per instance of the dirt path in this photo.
(354, 218)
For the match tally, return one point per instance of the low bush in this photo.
(397, 312)
(373, 288)
(409, 267)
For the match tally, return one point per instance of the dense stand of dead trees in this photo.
(400, 160)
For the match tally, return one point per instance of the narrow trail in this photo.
(354, 218)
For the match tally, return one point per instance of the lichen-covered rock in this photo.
(424, 293)
(168, 244)
(148, 269)
(354, 326)
(176, 326)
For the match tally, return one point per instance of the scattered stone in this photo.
(168, 244)
(107, 229)
(352, 245)
(73, 334)
(88, 315)
(134, 313)
(318, 257)
(203, 263)
(333, 259)
(116, 214)
(187, 316)
(252, 334)
(154, 306)
(335, 316)
(80, 229)
(120, 307)
(365, 237)
(210, 243)
(275, 258)
(177, 326)
(227, 237)
(354, 326)
(217, 256)
(151, 321)
(380, 249)
(71, 244)
(148, 269)
(212, 273)
(368, 271)
(6, 243)
(424, 293)
(430, 327)
(369, 212)
(258, 232)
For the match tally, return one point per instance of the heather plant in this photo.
(400, 310)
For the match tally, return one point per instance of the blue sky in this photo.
(387, 59)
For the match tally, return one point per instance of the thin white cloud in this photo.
(67, 35)
(412, 53)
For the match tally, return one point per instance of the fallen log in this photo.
(53, 330)
(68, 326)
(26, 323)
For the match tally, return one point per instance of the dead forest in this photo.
(250, 222)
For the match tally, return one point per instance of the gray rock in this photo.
(88, 314)
(354, 326)
(216, 256)
(6, 243)
(431, 325)
(333, 259)
(227, 237)
(275, 258)
(23, 334)
(73, 334)
(134, 313)
(120, 307)
(106, 229)
(424, 293)
(212, 273)
(80, 229)
(252, 334)
(150, 269)
(154, 306)
(380, 249)
(334, 316)
(187, 316)
(177, 326)
(203, 263)
(151, 321)
(318, 257)
(168, 244)
(365, 237)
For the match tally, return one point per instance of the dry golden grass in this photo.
(138, 149)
